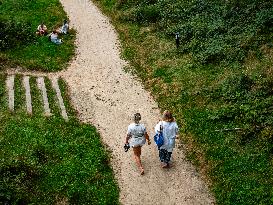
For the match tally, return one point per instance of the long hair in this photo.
(167, 116)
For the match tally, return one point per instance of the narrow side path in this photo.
(10, 87)
(106, 96)
(42, 87)
(28, 94)
(55, 85)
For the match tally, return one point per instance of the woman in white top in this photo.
(170, 130)
(136, 137)
(65, 27)
(54, 37)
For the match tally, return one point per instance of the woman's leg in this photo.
(168, 157)
(137, 153)
(163, 155)
(59, 41)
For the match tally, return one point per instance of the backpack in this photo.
(158, 138)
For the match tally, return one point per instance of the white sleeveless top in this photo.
(137, 132)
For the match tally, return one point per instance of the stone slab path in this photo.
(28, 99)
(104, 95)
(55, 85)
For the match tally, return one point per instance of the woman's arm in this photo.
(147, 138)
(157, 127)
(127, 138)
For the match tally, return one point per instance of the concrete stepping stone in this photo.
(28, 95)
(10, 87)
(41, 86)
(55, 85)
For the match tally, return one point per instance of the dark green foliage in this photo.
(18, 176)
(163, 73)
(2, 93)
(213, 31)
(148, 13)
(14, 34)
(131, 3)
(248, 102)
(234, 88)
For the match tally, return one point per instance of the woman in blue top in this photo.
(136, 138)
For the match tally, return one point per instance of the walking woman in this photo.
(169, 128)
(136, 137)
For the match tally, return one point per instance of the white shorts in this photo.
(136, 142)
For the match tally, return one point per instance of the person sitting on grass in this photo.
(65, 27)
(54, 37)
(41, 30)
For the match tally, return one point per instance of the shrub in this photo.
(211, 31)
(13, 34)
(248, 102)
(149, 13)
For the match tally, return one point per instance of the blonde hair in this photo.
(167, 116)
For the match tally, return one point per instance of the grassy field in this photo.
(212, 88)
(20, 46)
(45, 160)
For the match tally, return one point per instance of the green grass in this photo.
(3, 98)
(45, 160)
(36, 97)
(19, 96)
(52, 98)
(40, 53)
(206, 97)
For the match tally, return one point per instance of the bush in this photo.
(248, 102)
(13, 34)
(18, 179)
(211, 31)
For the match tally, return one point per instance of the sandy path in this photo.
(106, 96)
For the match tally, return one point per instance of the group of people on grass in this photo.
(137, 137)
(54, 35)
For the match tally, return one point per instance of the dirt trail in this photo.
(106, 96)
